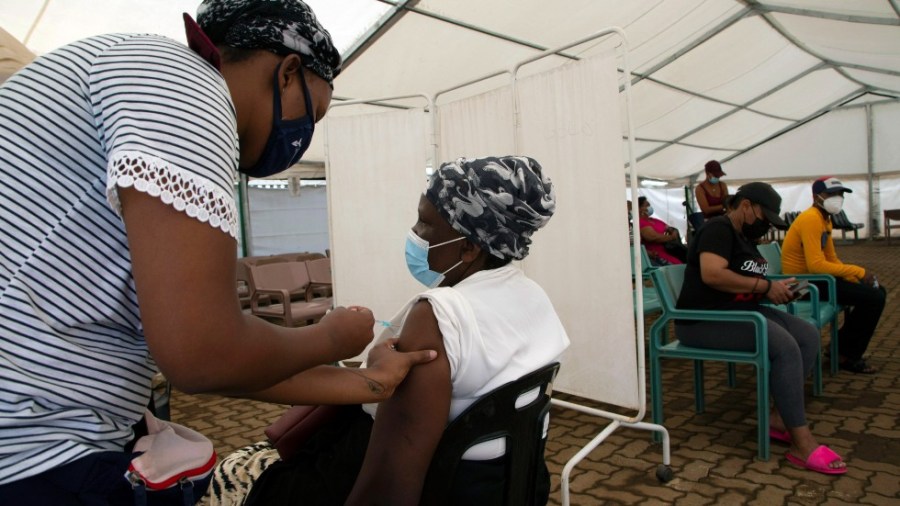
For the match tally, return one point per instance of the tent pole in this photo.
(244, 215)
(870, 165)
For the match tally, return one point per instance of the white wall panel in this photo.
(887, 141)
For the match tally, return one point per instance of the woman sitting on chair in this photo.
(725, 271)
(663, 242)
(489, 323)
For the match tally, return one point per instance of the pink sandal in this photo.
(819, 460)
(782, 436)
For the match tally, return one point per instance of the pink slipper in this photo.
(781, 436)
(819, 461)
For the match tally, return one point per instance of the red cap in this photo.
(714, 169)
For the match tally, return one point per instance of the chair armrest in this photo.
(827, 278)
(282, 294)
(754, 317)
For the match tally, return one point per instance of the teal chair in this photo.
(818, 311)
(668, 281)
(650, 297)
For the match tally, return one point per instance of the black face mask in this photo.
(756, 229)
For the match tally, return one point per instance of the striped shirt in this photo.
(110, 111)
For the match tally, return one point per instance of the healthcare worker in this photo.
(118, 156)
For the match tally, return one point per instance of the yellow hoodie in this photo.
(809, 249)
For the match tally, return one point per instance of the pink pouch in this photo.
(171, 454)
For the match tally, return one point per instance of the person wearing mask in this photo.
(488, 321)
(663, 242)
(726, 272)
(119, 155)
(809, 249)
(712, 193)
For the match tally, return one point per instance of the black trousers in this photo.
(863, 306)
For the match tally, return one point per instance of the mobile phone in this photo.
(799, 288)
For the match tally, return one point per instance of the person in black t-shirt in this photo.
(725, 271)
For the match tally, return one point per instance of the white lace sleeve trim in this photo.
(189, 193)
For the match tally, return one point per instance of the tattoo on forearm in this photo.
(374, 386)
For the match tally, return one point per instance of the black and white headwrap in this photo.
(282, 26)
(496, 203)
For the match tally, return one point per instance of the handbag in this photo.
(297, 425)
(170, 457)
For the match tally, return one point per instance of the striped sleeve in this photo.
(167, 123)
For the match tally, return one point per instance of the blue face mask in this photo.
(649, 210)
(417, 260)
(714, 180)
(288, 139)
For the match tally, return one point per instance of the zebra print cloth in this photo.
(235, 474)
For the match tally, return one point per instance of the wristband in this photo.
(768, 287)
(753, 290)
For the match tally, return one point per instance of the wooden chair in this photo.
(494, 416)
(818, 310)
(668, 281)
(286, 283)
(891, 215)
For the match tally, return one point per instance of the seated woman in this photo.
(489, 323)
(725, 271)
(663, 242)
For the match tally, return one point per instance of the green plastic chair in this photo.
(650, 297)
(668, 281)
(818, 311)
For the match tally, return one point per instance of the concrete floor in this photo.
(713, 453)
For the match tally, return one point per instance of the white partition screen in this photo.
(376, 173)
(569, 122)
(477, 126)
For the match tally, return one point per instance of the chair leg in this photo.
(835, 354)
(732, 377)
(656, 391)
(699, 399)
(762, 412)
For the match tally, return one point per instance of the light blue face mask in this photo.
(417, 260)
(714, 180)
(649, 210)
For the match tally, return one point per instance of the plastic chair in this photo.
(842, 222)
(818, 311)
(287, 283)
(320, 283)
(651, 299)
(668, 281)
(493, 416)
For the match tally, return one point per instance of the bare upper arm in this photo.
(184, 272)
(410, 424)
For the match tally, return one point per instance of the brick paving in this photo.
(713, 453)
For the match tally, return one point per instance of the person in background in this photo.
(726, 272)
(809, 249)
(712, 193)
(663, 242)
(488, 321)
(118, 156)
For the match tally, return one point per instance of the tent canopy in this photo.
(712, 79)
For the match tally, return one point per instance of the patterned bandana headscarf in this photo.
(282, 26)
(496, 203)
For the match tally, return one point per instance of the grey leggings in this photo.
(793, 344)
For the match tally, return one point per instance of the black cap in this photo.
(767, 198)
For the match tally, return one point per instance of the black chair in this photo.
(841, 222)
(494, 416)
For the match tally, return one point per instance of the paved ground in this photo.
(713, 453)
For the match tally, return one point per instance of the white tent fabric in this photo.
(376, 171)
(713, 79)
